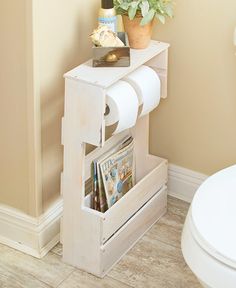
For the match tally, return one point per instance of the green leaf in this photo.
(125, 5)
(161, 18)
(147, 8)
(135, 4)
(132, 12)
(148, 17)
(144, 5)
(169, 10)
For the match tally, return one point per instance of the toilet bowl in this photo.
(209, 235)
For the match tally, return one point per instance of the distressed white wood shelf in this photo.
(95, 241)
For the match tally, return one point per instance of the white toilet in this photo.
(209, 234)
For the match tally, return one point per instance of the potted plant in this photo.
(138, 17)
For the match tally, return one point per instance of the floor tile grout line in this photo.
(76, 269)
(157, 240)
(118, 280)
(169, 244)
(28, 274)
(47, 285)
(68, 276)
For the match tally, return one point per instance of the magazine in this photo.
(99, 195)
(95, 196)
(117, 173)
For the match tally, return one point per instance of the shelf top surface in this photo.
(106, 76)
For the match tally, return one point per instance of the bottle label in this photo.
(108, 21)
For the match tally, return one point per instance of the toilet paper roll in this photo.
(122, 102)
(147, 85)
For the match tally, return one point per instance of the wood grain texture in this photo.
(131, 232)
(79, 122)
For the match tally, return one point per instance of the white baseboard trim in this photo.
(183, 183)
(33, 236)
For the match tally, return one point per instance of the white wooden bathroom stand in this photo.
(95, 241)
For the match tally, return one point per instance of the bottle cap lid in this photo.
(107, 4)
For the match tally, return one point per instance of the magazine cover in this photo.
(99, 195)
(117, 172)
(95, 194)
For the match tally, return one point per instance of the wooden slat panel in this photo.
(140, 132)
(84, 113)
(81, 240)
(81, 230)
(118, 214)
(118, 245)
(159, 63)
(104, 76)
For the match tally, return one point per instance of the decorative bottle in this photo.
(107, 15)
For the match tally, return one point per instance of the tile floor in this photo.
(155, 261)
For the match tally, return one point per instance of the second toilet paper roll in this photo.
(147, 85)
(123, 104)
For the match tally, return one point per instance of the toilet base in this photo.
(206, 267)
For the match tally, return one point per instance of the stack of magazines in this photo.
(113, 175)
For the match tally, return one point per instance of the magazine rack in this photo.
(95, 241)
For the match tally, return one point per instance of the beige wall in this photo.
(63, 43)
(40, 41)
(14, 186)
(195, 126)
